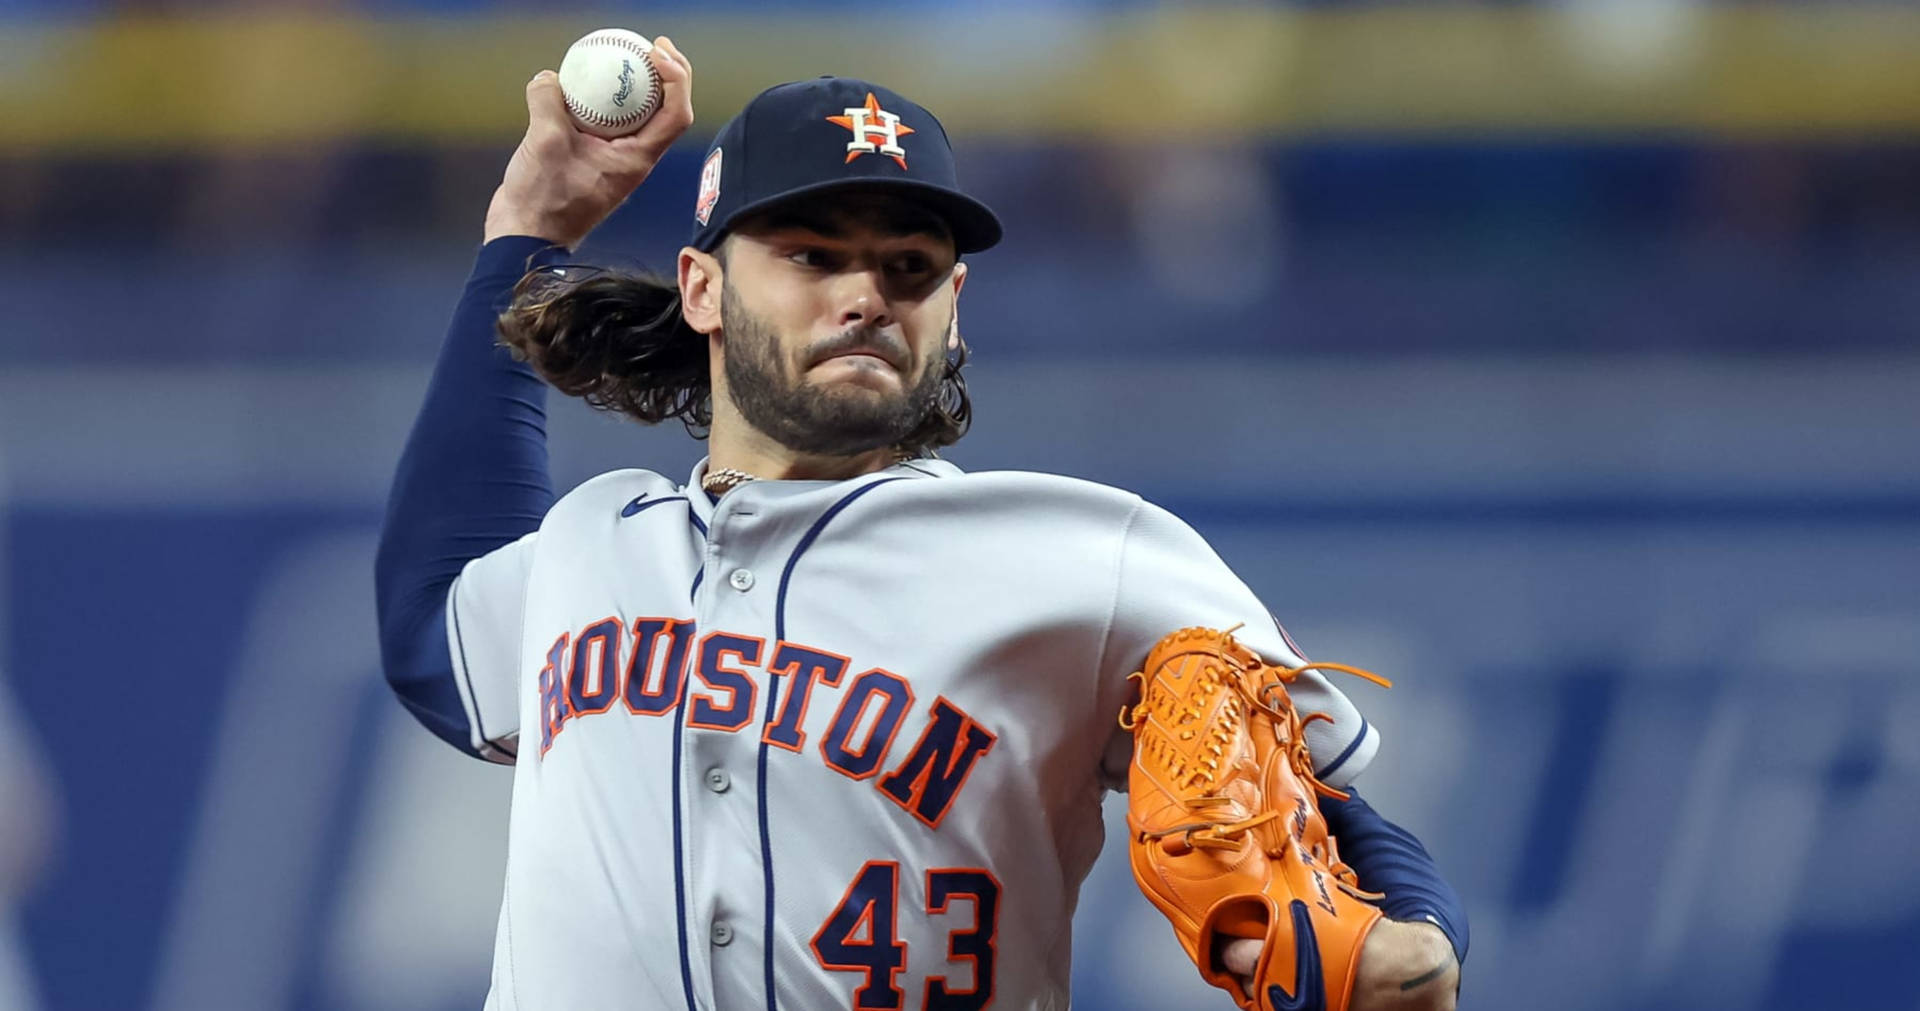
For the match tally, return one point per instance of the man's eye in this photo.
(812, 258)
(912, 263)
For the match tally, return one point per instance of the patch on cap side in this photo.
(709, 188)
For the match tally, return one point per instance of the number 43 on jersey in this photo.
(860, 936)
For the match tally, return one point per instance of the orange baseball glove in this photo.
(1227, 836)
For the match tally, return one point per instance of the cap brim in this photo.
(975, 227)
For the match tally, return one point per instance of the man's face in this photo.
(835, 322)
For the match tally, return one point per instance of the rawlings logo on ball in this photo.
(626, 84)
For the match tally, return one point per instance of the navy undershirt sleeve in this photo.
(1389, 859)
(473, 477)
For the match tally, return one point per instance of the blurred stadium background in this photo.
(1559, 359)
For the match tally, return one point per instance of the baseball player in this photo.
(828, 723)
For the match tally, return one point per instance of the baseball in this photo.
(609, 82)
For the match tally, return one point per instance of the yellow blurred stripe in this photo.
(1197, 72)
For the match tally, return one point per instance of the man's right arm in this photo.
(473, 480)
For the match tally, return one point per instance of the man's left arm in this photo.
(1417, 969)
(1411, 960)
(1171, 578)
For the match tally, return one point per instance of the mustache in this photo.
(869, 339)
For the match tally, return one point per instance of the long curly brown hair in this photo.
(617, 340)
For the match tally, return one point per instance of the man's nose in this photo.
(863, 300)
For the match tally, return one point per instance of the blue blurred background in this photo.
(1560, 360)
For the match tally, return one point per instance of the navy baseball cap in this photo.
(832, 133)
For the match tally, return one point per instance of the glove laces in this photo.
(1270, 698)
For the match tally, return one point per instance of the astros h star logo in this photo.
(869, 122)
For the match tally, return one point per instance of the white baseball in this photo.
(609, 82)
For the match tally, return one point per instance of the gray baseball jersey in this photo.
(824, 744)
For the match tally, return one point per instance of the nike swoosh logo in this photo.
(632, 507)
(1309, 985)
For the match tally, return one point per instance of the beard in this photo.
(812, 419)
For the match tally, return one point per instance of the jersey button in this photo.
(722, 933)
(718, 780)
(741, 580)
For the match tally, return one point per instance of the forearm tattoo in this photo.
(1430, 975)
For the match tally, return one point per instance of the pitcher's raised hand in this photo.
(563, 181)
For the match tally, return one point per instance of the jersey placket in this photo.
(726, 688)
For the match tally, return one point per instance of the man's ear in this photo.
(701, 282)
(959, 281)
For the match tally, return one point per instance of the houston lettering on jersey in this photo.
(654, 666)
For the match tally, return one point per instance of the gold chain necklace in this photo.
(726, 479)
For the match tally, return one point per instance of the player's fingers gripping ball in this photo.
(610, 83)
(1227, 838)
